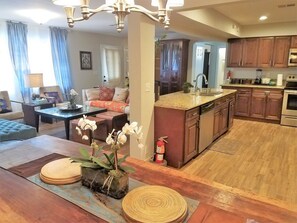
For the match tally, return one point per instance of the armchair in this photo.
(6, 111)
(52, 94)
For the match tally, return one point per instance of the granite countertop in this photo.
(182, 101)
(253, 86)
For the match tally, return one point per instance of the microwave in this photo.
(292, 61)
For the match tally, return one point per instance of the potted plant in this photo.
(187, 86)
(103, 171)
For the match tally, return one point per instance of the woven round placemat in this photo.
(61, 171)
(154, 204)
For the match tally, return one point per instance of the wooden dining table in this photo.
(23, 201)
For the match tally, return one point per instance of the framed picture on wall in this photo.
(85, 60)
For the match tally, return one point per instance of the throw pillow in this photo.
(3, 106)
(92, 94)
(120, 94)
(106, 93)
(53, 97)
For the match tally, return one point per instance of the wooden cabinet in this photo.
(260, 52)
(234, 52)
(249, 52)
(191, 134)
(281, 51)
(171, 64)
(242, 52)
(243, 99)
(274, 105)
(266, 104)
(293, 42)
(273, 51)
(231, 111)
(265, 51)
(221, 117)
(259, 103)
(182, 129)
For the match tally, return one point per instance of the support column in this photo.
(141, 54)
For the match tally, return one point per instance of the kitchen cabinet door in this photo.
(250, 52)
(224, 119)
(234, 53)
(191, 139)
(242, 105)
(231, 112)
(293, 42)
(258, 104)
(221, 118)
(216, 124)
(265, 51)
(281, 51)
(274, 105)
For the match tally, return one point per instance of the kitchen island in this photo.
(177, 116)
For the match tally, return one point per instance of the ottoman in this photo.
(11, 130)
(114, 120)
(100, 133)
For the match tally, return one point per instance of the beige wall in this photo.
(83, 41)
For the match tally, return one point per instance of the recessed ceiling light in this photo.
(39, 16)
(263, 17)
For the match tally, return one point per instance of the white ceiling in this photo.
(242, 12)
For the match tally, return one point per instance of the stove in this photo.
(289, 109)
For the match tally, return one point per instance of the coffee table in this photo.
(66, 115)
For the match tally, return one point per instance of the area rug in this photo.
(227, 146)
(102, 206)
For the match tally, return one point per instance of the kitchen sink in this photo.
(210, 91)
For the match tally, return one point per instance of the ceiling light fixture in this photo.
(120, 8)
(39, 16)
(263, 17)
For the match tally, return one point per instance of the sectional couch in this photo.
(113, 99)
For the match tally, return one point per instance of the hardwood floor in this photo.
(263, 162)
(254, 159)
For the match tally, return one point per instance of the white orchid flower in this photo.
(73, 92)
(78, 131)
(109, 140)
(85, 137)
(122, 138)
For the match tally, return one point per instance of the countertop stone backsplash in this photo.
(250, 73)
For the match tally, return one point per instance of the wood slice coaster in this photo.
(61, 171)
(154, 204)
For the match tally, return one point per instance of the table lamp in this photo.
(33, 81)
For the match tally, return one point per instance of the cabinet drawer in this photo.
(267, 91)
(221, 101)
(193, 113)
(244, 91)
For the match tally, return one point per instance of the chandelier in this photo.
(120, 8)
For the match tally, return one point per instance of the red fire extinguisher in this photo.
(160, 149)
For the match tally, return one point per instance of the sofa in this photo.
(113, 99)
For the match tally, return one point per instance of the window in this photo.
(111, 60)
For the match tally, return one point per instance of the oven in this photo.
(289, 109)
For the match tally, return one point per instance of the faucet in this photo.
(196, 81)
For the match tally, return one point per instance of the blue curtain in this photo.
(61, 59)
(18, 49)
